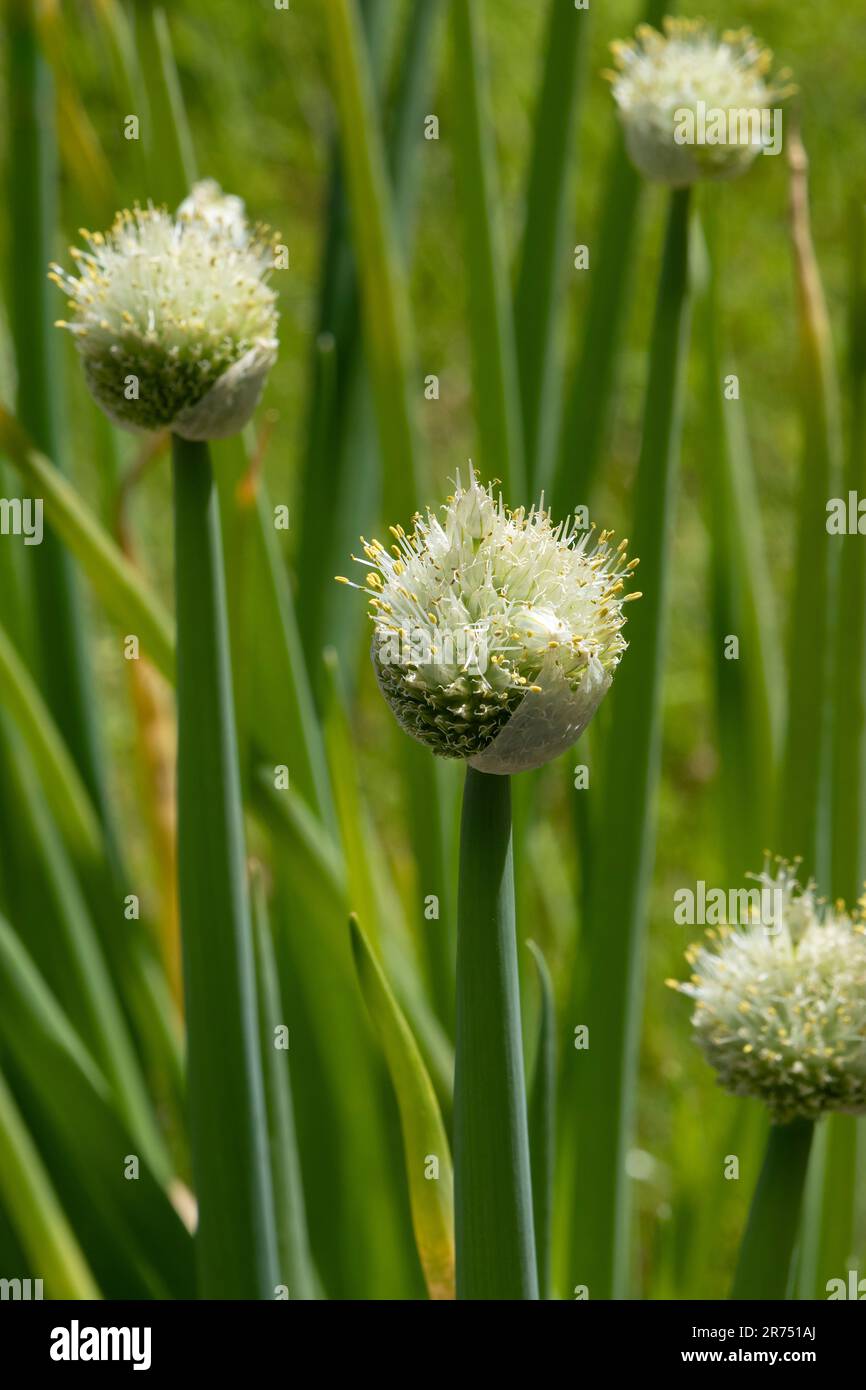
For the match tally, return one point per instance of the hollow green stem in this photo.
(235, 1239)
(493, 1192)
(764, 1263)
(605, 1074)
(542, 1123)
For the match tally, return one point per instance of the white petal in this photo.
(232, 399)
(545, 724)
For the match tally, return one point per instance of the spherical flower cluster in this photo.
(694, 106)
(173, 316)
(780, 1010)
(496, 632)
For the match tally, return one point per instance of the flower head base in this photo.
(780, 1012)
(496, 632)
(173, 317)
(695, 106)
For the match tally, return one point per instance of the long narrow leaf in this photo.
(129, 1230)
(275, 708)
(293, 1252)
(804, 812)
(544, 253)
(849, 703)
(342, 418)
(70, 947)
(359, 1242)
(168, 144)
(387, 339)
(42, 1225)
(849, 752)
(542, 1122)
(575, 461)
(611, 1006)
(748, 688)
(425, 1143)
(121, 590)
(494, 352)
(67, 794)
(60, 632)
(380, 268)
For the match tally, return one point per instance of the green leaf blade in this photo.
(424, 1136)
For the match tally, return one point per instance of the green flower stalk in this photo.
(780, 1014)
(695, 105)
(175, 324)
(496, 636)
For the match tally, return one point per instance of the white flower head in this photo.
(781, 1013)
(496, 632)
(173, 316)
(667, 81)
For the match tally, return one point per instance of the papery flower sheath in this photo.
(496, 632)
(173, 316)
(780, 1012)
(665, 82)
